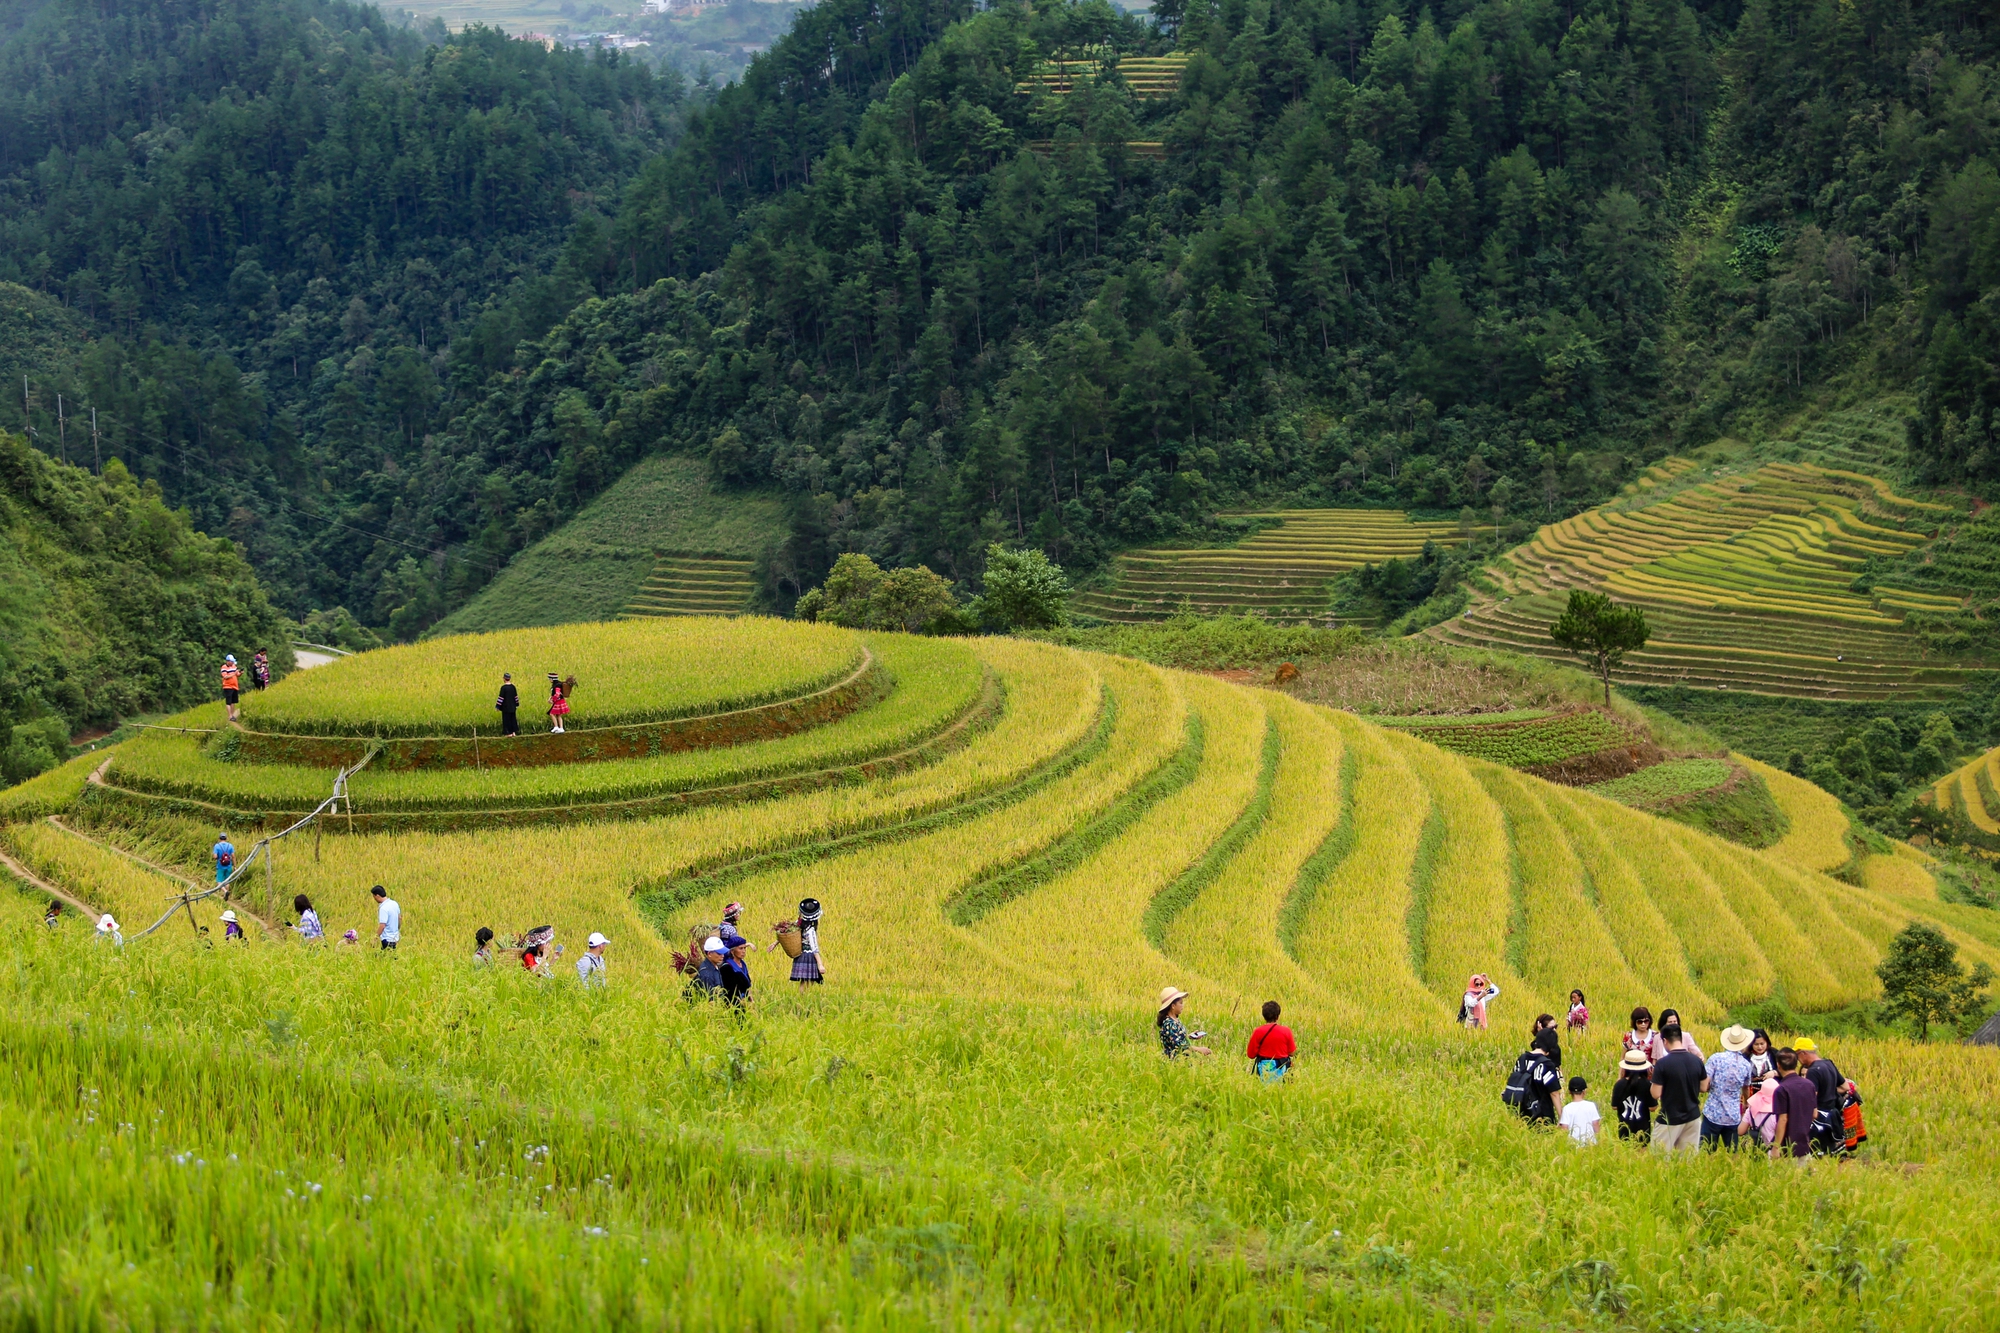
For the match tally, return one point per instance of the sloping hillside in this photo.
(1754, 576)
(1212, 835)
(110, 603)
(662, 540)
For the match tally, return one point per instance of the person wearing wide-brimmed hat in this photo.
(107, 930)
(1175, 1039)
(1729, 1086)
(1632, 1097)
(232, 929)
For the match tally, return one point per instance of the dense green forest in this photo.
(110, 604)
(279, 221)
(1486, 253)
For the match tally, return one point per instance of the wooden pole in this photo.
(475, 751)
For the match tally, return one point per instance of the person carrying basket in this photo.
(800, 940)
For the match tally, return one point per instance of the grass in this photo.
(1524, 742)
(596, 566)
(885, 1161)
(1667, 781)
(626, 672)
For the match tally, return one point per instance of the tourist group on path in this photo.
(1789, 1101)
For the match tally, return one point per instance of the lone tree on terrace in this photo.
(1923, 981)
(1600, 632)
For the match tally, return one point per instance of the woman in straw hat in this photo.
(1175, 1039)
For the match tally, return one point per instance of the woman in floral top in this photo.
(1174, 1037)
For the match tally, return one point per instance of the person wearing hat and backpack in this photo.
(1537, 1078)
(1175, 1039)
(1729, 1078)
(806, 968)
(1632, 1099)
(1829, 1136)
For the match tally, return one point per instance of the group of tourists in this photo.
(1790, 1101)
(508, 704)
(717, 962)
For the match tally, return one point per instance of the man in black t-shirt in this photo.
(1632, 1099)
(1680, 1080)
(1829, 1130)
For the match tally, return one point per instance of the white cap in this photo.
(597, 939)
(713, 944)
(106, 923)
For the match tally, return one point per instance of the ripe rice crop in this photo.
(1347, 940)
(935, 682)
(1122, 880)
(1242, 906)
(1469, 920)
(108, 882)
(1562, 942)
(1816, 834)
(627, 671)
(899, 888)
(579, 877)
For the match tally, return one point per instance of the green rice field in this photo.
(1284, 571)
(1748, 577)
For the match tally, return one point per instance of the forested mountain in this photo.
(276, 215)
(109, 604)
(1483, 253)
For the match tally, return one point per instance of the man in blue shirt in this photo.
(707, 982)
(225, 858)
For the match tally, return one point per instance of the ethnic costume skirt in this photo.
(806, 968)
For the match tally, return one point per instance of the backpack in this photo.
(1518, 1094)
(1850, 1116)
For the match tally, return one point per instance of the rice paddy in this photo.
(969, 1125)
(1750, 577)
(1284, 571)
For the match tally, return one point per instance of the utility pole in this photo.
(96, 454)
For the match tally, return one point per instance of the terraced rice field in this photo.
(970, 1123)
(1282, 572)
(996, 793)
(693, 585)
(1974, 790)
(1149, 78)
(1747, 578)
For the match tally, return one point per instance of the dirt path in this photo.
(29, 877)
(307, 658)
(192, 886)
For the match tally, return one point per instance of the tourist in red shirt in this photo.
(1271, 1047)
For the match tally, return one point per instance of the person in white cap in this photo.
(590, 967)
(232, 929)
(706, 983)
(107, 929)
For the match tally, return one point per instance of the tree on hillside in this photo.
(1601, 632)
(1923, 981)
(860, 595)
(1024, 590)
